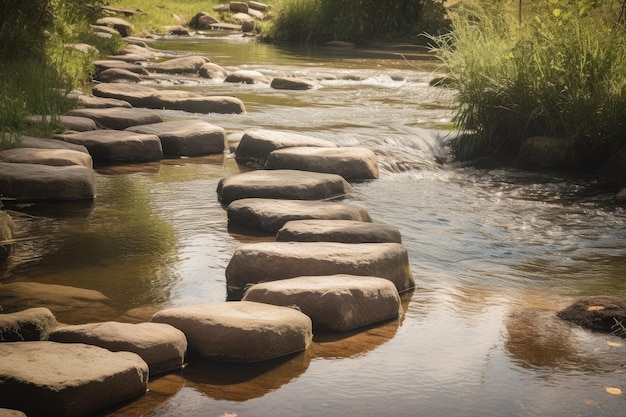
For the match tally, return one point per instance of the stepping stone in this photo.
(241, 331)
(212, 71)
(133, 53)
(30, 324)
(51, 157)
(344, 231)
(119, 118)
(247, 77)
(270, 261)
(270, 215)
(44, 143)
(182, 65)
(91, 102)
(596, 313)
(282, 184)
(152, 98)
(335, 302)
(256, 145)
(118, 75)
(161, 346)
(290, 83)
(352, 163)
(35, 182)
(186, 137)
(67, 380)
(105, 64)
(117, 146)
(68, 304)
(78, 124)
(238, 7)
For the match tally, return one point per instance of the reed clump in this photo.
(558, 69)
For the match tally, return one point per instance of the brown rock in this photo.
(600, 312)
(30, 324)
(344, 231)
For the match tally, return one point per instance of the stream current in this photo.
(495, 254)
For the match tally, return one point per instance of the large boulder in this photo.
(36, 182)
(52, 157)
(352, 163)
(202, 21)
(117, 146)
(334, 303)
(270, 261)
(292, 83)
(119, 118)
(212, 71)
(182, 65)
(152, 98)
(161, 346)
(67, 380)
(186, 137)
(256, 145)
(344, 231)
(282, 184)
(68, 304)
(241, 331)
(27, 325)
(602, 312)
(270, 215)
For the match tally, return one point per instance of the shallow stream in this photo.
(495, 254)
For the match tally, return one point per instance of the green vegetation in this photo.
(359, 21)
(38, 67)
(552, 68)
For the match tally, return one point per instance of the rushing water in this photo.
(495, 253)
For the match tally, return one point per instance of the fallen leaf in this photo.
(229, 415)
(614, 391)
(613, 344)
(589, 401)
(595, 308)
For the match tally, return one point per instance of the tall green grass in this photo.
(560, 72)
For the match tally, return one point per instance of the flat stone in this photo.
(247, 77)
(68, 304)
(596, 313)
(242, 18)
(105, 64)
(148, 97)
(160, 345)
(52, 157)
(256, 145)
(241, 331)
(79, 124)
(35, 182)
(270, 215)
(182, 65)
(212, 71)
(89, 101)
(117, 146)
(122, 26)
(291, 83)
(60, 379)
(118, 75)
(27, 325)
(334, 303)
(226, 26)
(186, 137)
(343, 231)
(238, 6)
(270, 261)
(282, 184)
(352, 163)
(119, 118)
(44, 143)
(139, 52)
(255, 5)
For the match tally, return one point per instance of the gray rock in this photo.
(102, 65)
(176, 30)
(67, 380)
(256, 14)
(138, 52)
(270, 261)
(182, 65)
(118, 75)
(45, 143)
(212, 71)
(226, 26)
(78, 124)
(161, 346)
(142, 96)
(34, 182)
(248, 26)
(255, 5)
(247, 77)
(202, 21)
(282, 184)
(119, 118)
(52, 157)
(596, 313)
(242, 18)
(256, 145)
(343, 231)
(334, 303)
(352, 163)
(242, 331)
(186, 137)
(545, 152)
(238, 6)
(291, 83)
(120, 25)
(27, 325)
(270, 215)
(117, 146)
(91, 102)
(68, 304)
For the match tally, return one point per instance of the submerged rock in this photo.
(602, 312)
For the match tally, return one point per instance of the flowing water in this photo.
(495, 254)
